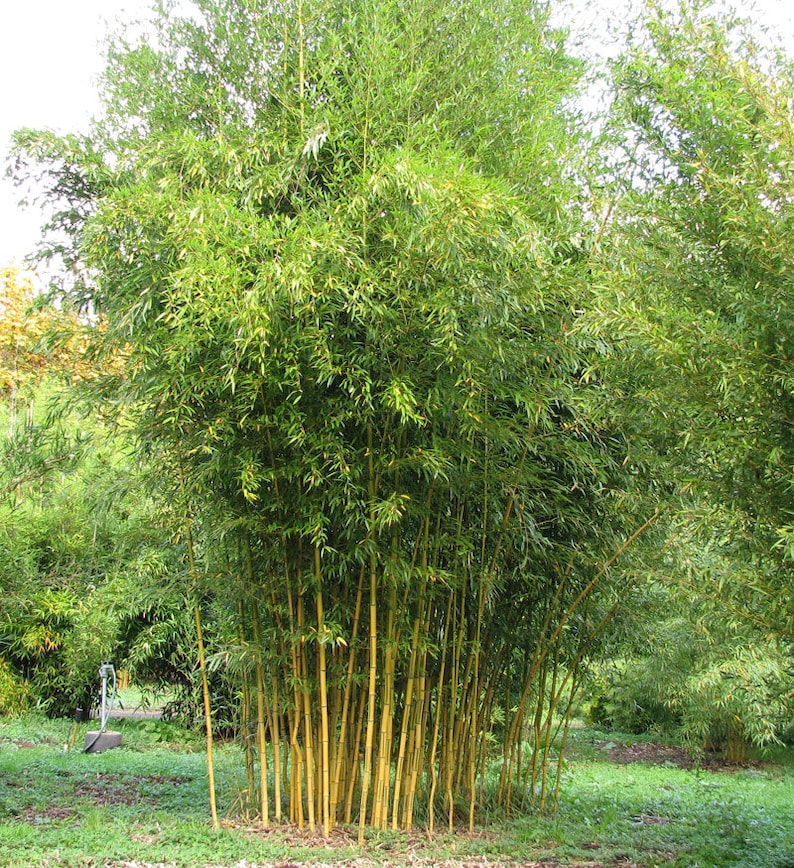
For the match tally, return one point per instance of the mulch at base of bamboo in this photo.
(404, 849)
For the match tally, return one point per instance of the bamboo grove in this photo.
(335, 248)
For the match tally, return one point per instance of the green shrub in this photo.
(729, 695)
(15, 694)
(53, 643)
(625, 699)
(737, 700)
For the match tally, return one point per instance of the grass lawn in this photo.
(145, 804)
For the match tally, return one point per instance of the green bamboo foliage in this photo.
(328, 237)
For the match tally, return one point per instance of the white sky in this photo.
(50, 57)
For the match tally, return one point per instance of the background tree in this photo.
(76, 526)
(700, 251)
(29, 346)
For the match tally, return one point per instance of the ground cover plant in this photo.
(624, 801)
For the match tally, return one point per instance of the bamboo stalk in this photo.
(245, 720)
(351, 665)
(335, 693)
(547, 731)
(383, 774)
(543, 651)
(205, 692)
(563, 740)
(416, 755)
(296, 778)
(535, 766)
(355, 753)
(373, 672)
(373, 650)
(275, 738)
(323, 685)
(453, 711)
(205, 689)
(264, 816)
(438, 717)
(514, 730)
(406, 723)
(486, 715)
(276, 711)
(303, 665)
(280, 769)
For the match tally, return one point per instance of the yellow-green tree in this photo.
(30, 349)
(21, 365)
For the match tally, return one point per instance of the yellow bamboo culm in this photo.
(380, 809)
(308, 747)
(261, 716)
(438, 719)
(405, 727)
(245, 722)
(323, 687)
(450, 759)
(373, 649)
(275, 738)
(205, 691)
(295, 713)
(416, 755)
(280, 769)
(371, 700)
(202, 658)
(344, 759)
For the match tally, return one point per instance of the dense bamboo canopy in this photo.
(336, 244)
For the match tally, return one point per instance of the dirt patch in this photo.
(664, 754)
(107, 790)
(41, 816)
